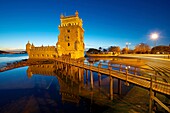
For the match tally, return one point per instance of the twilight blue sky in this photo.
(106, 22)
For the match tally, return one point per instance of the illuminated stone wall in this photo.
(71, 37)
(43, 52)
(70, 41)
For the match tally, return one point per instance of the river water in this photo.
(9, 58)
(47, 89)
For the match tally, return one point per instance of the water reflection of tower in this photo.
(70, 80)
(68, 92)
(43, 69)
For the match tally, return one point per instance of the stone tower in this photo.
(28, 47)
(71, 37)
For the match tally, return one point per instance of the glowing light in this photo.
(154, 36)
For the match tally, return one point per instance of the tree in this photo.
(142, 48)
(100, 48)
(115, 49)
(160, 49)
(130, 51)
(104, 50)
(125, 50)
(93, 51)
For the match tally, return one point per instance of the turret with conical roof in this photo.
(28, 47)
(76, 13)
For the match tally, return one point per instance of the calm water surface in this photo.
(8, 58)
(47, 89)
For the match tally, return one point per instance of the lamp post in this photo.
(127, 45)
(154, 36)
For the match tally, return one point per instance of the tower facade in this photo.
(70, 41)
(71, 37)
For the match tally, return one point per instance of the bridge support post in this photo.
(62, 65)
(66, 78)
(120, 67)
(72, 72)
(119, 87)
(71, 69)
(135, 71)
(99, 74)
(58, 65)
(66, 67)
(79, 75)
(71, 75)
(99, 78)
(111, 87)
(91, 75)
(82, 74)
(110, 68)
(91, 78)
(86, 76)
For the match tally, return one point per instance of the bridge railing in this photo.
(129, 70)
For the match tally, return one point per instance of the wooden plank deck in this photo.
(158, 86)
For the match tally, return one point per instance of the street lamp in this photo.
(127, 44)
(154, 36)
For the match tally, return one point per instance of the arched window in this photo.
(68, 44)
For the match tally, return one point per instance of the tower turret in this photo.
(28, 47)
(76, 13)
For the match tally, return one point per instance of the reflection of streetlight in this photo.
(154, 36)
(127, 44)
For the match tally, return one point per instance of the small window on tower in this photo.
(68, 30)
(68, 44)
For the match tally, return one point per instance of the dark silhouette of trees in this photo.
(130, 51)
(100, 48)
(114, 49)
(93, 51)
(161, 49)
(104, 50)
(142, 48)
(125, 50)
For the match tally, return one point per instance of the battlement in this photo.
(70, 41)
(44, 48)
(72, 20)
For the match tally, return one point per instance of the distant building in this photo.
(70, 41)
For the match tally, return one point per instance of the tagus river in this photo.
(45, 89)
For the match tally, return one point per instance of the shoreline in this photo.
(27, 62)
(23, 63)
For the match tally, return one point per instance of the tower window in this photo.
(68, 30)
(68, 44)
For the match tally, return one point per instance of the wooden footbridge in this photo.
(143, 77)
